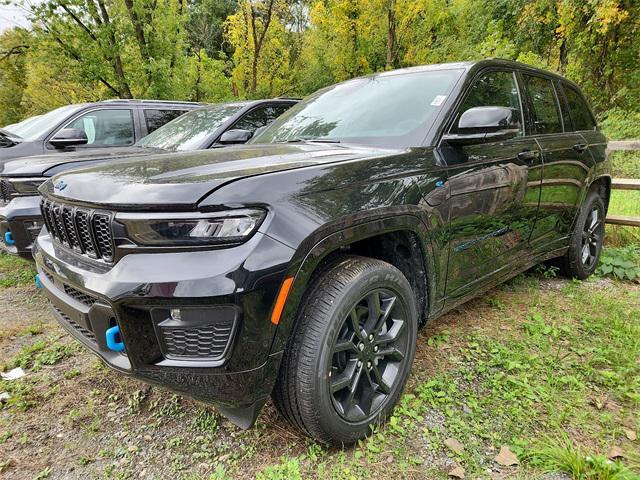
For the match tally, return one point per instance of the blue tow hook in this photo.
(38, 282)
(114, 341)
(8, 238)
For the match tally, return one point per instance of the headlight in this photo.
(21, 187)
(183, 229)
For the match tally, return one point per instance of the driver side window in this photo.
(493, 89)
(106, 127)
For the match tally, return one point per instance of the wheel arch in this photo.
(601, 185)
(399, 239)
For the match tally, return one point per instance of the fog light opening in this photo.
(175, 314)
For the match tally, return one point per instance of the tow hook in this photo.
(38, 282)
(8, 238)
(114, 340)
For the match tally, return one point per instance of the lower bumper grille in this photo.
(204, 342)
(88, 334)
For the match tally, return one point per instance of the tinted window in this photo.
(546, 118)
(494, 89)
(564, 109)
(106, 127)
(192, 130)
(580, 113)
(385, 109)
(157, 118)
(260, 117)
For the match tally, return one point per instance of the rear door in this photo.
(566, 162)
(493, 190)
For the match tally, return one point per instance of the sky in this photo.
(11, 16)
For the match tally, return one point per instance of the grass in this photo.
(15, 271)
(625, 164)
(548, 368)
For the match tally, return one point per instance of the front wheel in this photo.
(587, 238)
(351, 351)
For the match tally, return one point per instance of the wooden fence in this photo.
(624, 183)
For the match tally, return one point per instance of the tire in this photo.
(325, 351)
(587, 237)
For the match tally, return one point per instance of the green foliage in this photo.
(211, 50)
(620, 124)
(563, 456)
(15, 271)
(626, 164)
(622, 263)
(43, 352)
(287, 469)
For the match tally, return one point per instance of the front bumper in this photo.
(21, 217)
(217, 351)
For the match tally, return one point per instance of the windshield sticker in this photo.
(439, 100)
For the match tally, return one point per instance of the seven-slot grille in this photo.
(85, 231)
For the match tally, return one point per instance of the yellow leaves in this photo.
(608, 14)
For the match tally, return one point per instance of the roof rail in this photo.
(288, 98)
(140, 100)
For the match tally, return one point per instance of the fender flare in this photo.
(330, 238)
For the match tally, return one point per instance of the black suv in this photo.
(85, 126)
(300, 266)
(209, 127)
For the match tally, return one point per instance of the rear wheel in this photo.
(351, 351)
(581, 259)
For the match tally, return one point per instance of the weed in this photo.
(562, 455)
(15, 271)
(206, 421)
(622, 263)
(287, 469)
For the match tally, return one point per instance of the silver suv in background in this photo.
(86, 126)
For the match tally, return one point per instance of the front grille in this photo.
(85, 231)
(4, 190)
(80, 296)
(205, 341)
(88, 334)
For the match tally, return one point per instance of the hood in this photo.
(181, 180)
(52, 163)
(8, 139)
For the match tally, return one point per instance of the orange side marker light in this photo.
(280, 301)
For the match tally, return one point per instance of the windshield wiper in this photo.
(311, 140)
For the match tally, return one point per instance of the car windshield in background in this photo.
(384, 110)
(188, 131)
(34, 129)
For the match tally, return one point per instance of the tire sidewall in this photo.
(579, 269)
(329, 420)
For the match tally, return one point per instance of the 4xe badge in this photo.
(60, 185)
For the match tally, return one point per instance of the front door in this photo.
(493, 189)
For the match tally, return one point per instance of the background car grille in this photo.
(4, 190)
(85, 231)
(204, 341)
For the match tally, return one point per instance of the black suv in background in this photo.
(84, 126)
(209, 127)
(301, 265)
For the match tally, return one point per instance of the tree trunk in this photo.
(391, 35)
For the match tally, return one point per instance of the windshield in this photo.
(15, 127)
(36, 127)
(385, 110)
(188, 131)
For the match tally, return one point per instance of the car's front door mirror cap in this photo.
(69, 137)
(483, 124)
(235, 137)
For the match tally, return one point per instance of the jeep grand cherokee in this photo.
(301, 266)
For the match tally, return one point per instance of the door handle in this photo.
(580, 147)
(529, 156)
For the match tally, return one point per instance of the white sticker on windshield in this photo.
(439, 100)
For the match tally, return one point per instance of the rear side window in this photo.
(579, 110)
(564, 108)
(493, 89)
(260, 117)
(157, 118)
(546, 117)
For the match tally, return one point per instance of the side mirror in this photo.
(482, 124)
(68, 137)
(235, 137)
